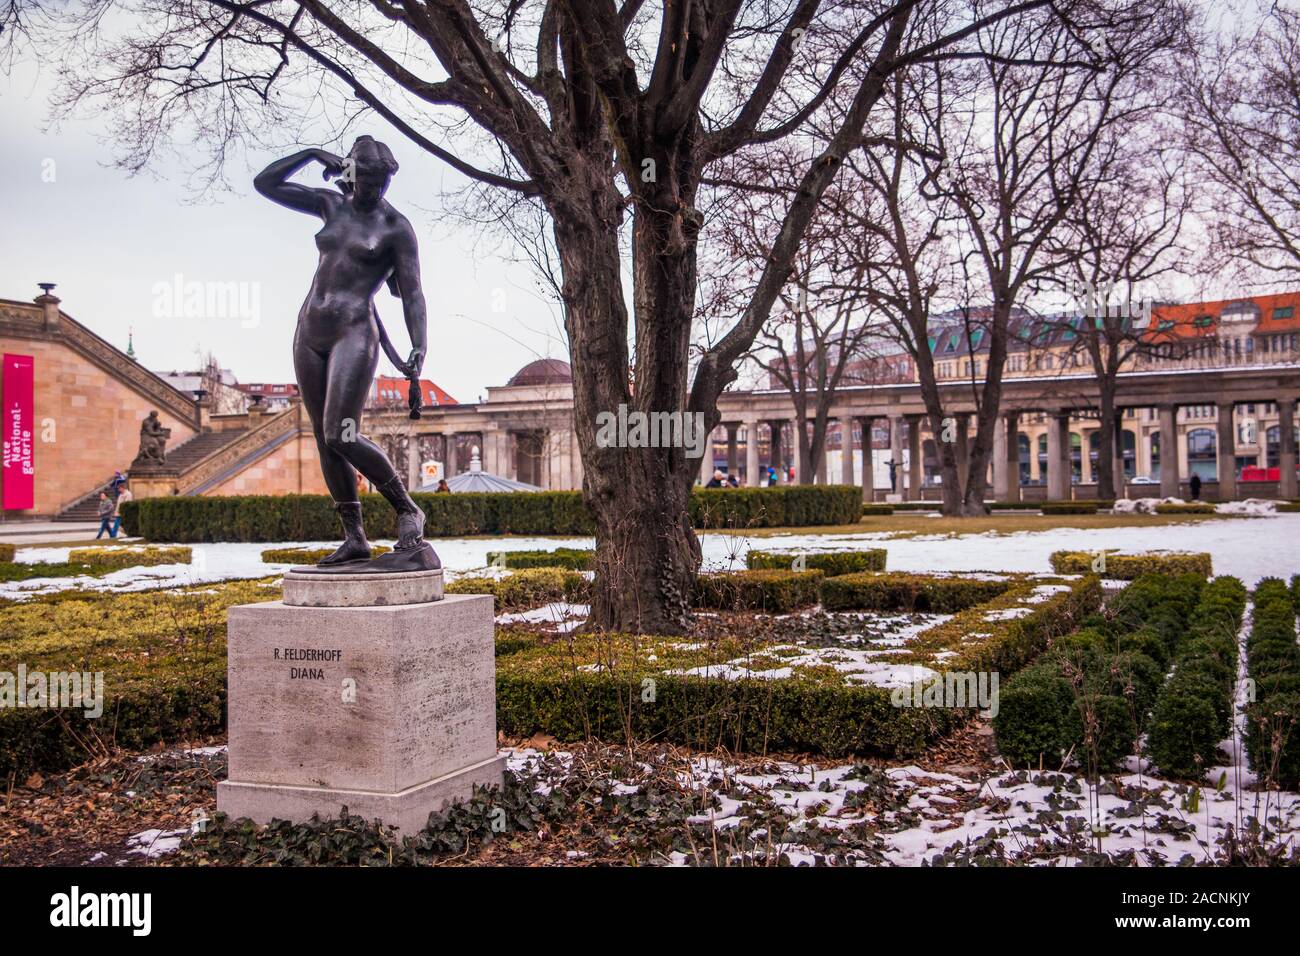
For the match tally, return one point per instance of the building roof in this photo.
(476, 479)
(548, 371)
(1263, 314)
(389, 388)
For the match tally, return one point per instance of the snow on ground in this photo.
(564, 616)
(1250, 548)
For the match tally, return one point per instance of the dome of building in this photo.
(547, 371)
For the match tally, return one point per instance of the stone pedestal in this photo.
(152, 480)
(387, 710)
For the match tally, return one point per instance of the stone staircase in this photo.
(193, 458)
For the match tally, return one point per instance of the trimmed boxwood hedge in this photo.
(1191, 508)
(575, 559)
(1273, 662)
(1069, 507)
(1089, 696)
(770, 590)
(526, 589)
(309, 555)
(831, 562)
(312, 517)
(618, 686)
(7, 552)
(1128, 567)
(1193, 711)
(868, 509)
(113, 559)
(870, 591)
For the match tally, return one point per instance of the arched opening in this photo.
(1201, 456)
(1155, 455)
(1022, 447)
(930, 460)
(1076, 458)
(1042, 459)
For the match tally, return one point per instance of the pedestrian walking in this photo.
(123, 496)
(106, 507)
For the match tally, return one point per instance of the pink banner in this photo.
(18, 476)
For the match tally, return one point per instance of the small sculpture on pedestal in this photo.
(153, 441)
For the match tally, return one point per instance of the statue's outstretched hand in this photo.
(415, 363)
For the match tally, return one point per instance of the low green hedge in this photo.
(312, 517)
(1185, 509)
(1088, 698)
(831, 562)
(575, 559)
(527, 589)
(309, 555)
(771, 591)
(616, 687)
(26, 571)
(1287, 507)
(113, 559)
(163, 658)
(1193, 711)
(870, 591)
(1128, 567)
(1273, 662)
(1069, 507)
(7, 552)
(1013, 505)
(869, 509)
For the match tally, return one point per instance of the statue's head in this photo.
(373, 166)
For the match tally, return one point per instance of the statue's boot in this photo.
(355, 547)
(410, 519)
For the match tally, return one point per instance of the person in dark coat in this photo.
(1196, 487)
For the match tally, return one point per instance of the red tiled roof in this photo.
(1184, 316)
(430, 393)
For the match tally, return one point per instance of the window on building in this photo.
(1284, 312)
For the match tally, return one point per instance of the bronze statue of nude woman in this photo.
(364, 243)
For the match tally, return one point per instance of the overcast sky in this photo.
(114, 243)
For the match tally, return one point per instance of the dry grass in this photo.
(907, 524)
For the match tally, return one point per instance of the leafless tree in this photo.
(820, 336)
(598, 112)
(985, 160)
(1127, 231)
(1240, 109)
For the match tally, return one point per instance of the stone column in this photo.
(412, 457)
(868, 479)
(1000, 463)
(1012, 430)
(1117, 463)
(774, 445)
(896, 452)
(962, 447)
(915, 471)
(706, 460)
(846, 449)
(733, 455)
(449, 454)
(1286, 451)
(1170, 482)
(1226, 451)
(1058, 456)
(751, 453)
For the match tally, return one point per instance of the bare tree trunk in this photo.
(647, 554)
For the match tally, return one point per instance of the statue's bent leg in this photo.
(350, 371)
(340, 478)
